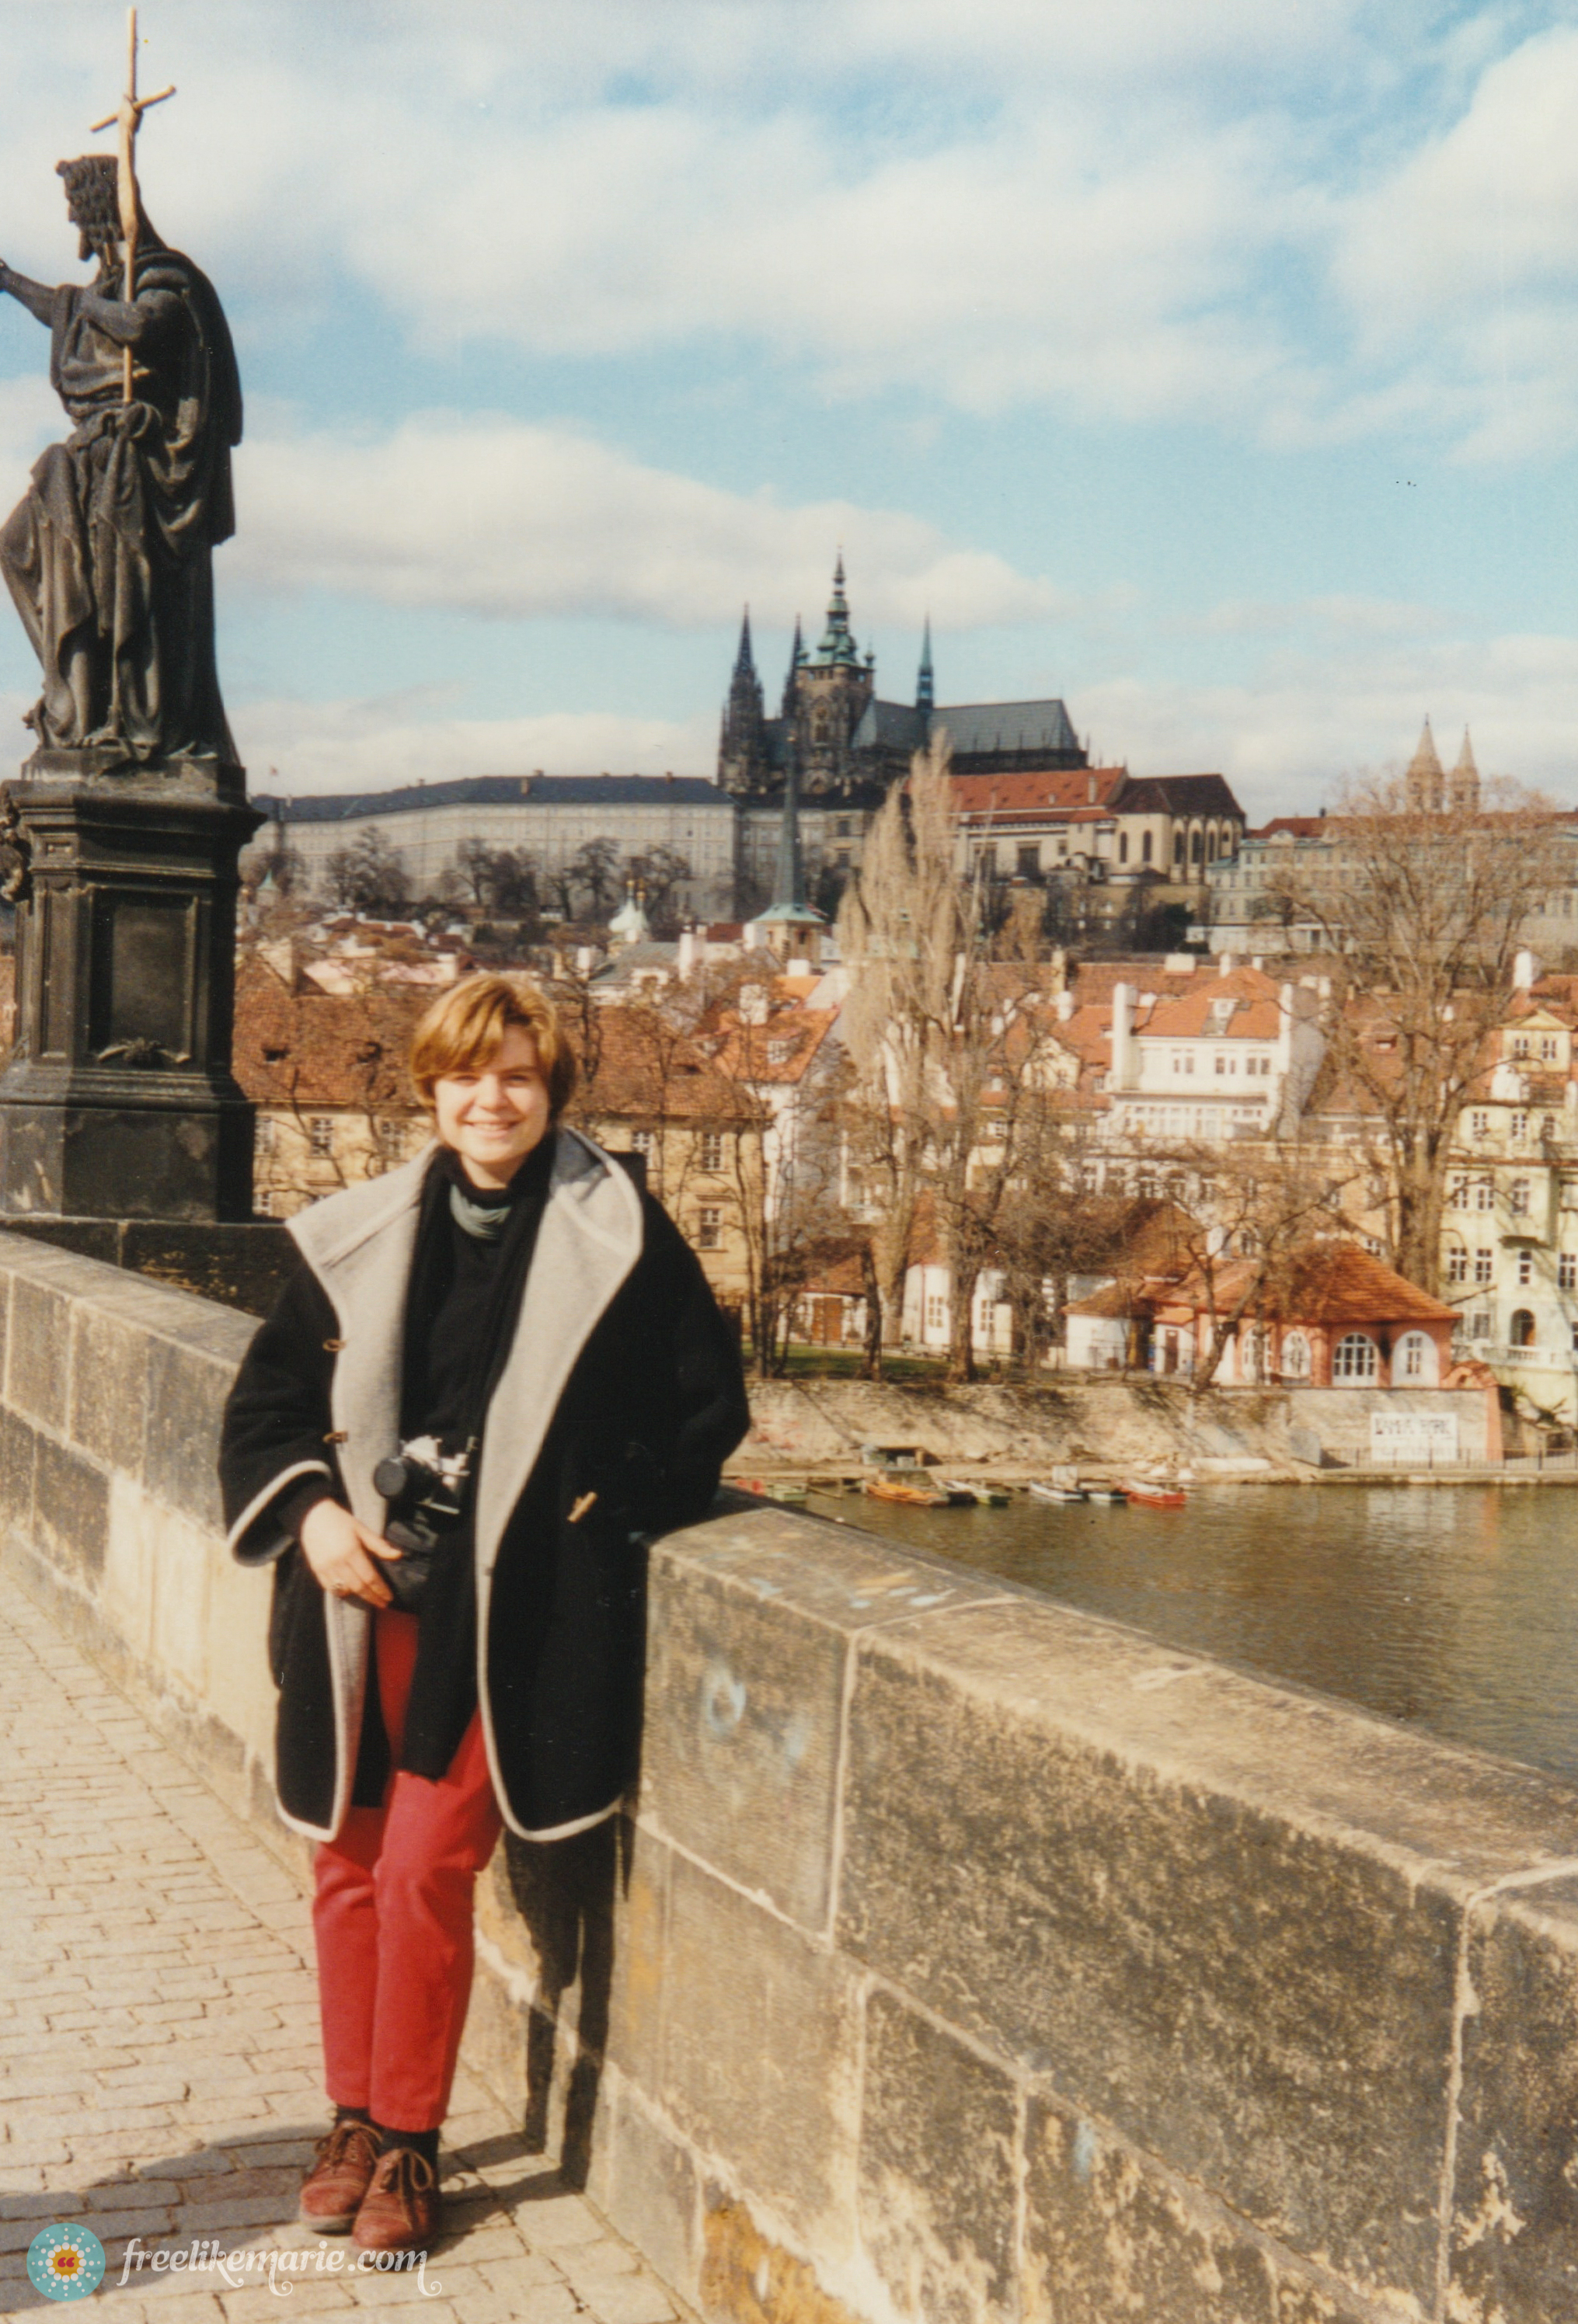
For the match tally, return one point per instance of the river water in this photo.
(1454, 1608)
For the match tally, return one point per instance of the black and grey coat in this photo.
(622, 1381)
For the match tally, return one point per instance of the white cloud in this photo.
(377, 743)
(494, 517)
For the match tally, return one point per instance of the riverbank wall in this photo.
(965, 1960)
(1096, 1422)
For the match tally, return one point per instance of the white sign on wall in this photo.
(1405, 1436)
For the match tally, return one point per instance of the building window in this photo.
(1354, 1357)
(1519, 1128)
(1484, 1267)
(1178, 847)
(1145, 847)
(1480, 1125)
(1122, 847)
(1526, 1267)
(1567, 1270)
(262, 1202)
(1479, 1327)
(1485, 1195)
(262, 1135)
(937, 1311)
(1412, 1352)
(1457, 1266)
(1295, 1356)
(1521, 1330)
(1457, 1194)
(712, 1150)
(709, 1228)
(1029, 860)
(1548, 1041)
(1520, 1045)
(1518, 1202)
(391, 1135)
(320, 1133)
(640, 1142)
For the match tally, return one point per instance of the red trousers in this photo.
(393, 1916)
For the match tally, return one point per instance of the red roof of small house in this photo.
(1334, 1284)
(1056, 790)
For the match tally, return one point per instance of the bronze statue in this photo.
(110, 556)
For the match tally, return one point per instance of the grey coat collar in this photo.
(360, 1244)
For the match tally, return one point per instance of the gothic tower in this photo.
(741, 742)
(1427, 777)
(832, 689)
(1463, 790)
(925, 686)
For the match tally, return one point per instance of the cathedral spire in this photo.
(838, 648)
(925, 692)
(790, 925)
(744, 661)
(797, 663)
(1463, 790)
(1427, 777)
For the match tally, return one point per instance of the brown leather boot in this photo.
(332, 2191)
(400, 2210)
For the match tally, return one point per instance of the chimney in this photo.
(1528, 968)
(1225, 963)
(1066, 1010)
(1090, 790)
(686, 961)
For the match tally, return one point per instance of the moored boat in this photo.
(1154, 1497)
(906, 1490)
(967, 1489)
(1042, 1488)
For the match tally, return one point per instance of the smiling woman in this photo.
(497, 1372)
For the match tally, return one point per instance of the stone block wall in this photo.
(964, 1958)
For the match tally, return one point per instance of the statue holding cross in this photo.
(108, 556)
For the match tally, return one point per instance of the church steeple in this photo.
(797, 663)
(924, 695)
(742, 745)
(1427, 777)
(1463, 790)
(790, 925)
(838, 648)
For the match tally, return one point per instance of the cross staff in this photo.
(128, 116)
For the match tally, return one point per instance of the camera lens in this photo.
(391, 1477)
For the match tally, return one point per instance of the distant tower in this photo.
(792, 677)
(925, 690)
(1427, 777)
(1463, 791)
(741, 742)
(832, 689)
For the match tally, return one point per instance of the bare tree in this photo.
(369, 875)
(591, 870)
(1422, 913)
(659, 872)
(950, 1049)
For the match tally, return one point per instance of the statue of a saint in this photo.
(109, 557)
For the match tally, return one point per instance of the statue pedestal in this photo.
(119, 1102)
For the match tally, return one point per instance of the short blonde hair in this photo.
(461, 1033)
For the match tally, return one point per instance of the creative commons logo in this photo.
(65, 2262)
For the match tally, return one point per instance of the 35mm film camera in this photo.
(425, 1486)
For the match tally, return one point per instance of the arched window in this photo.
(1354, 1357)
(1295, 1356)
(1196, 844)
(1211, 845)
(1145, 847)
(1122, 847)
(1413, 1361)
(1178, 847)
(1521, 1329)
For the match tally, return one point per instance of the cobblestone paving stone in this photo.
(158, 2060)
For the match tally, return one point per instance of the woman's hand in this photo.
(341, 1551)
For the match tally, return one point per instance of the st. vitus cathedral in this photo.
(848, 745)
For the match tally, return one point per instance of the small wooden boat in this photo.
(1042, 1489)
(1106, 1493)
(783, 1489)
(968, 1489)
(1155, 1497)
(906, 1488)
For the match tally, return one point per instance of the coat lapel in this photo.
(360, 1244)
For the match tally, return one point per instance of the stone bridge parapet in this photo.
(965, 1958)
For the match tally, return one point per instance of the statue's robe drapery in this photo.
(109, 557)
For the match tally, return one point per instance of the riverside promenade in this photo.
(159, 2064)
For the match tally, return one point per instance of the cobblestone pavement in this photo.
(159, 2062)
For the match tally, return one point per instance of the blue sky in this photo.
(1216, 369)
